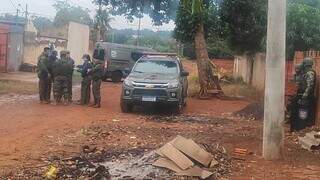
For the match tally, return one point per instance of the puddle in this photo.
(17, 98)
(13, 98)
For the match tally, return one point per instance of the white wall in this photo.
(242, 69)
(78, 41)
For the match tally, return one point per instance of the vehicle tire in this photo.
(178, 108)
(116, 76)
(126, 107)
(104, 78)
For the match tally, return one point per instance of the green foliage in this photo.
(217, 49)
(313, 3)
(161, 41)
(161, 11)
(41, 23)
(13, 18)
(156, 43)
(187, 20)
(66, 13)
(303, 28)
(103, 20)
(245, 24)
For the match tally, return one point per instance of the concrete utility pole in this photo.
(275, 80)
(99, 22)
(139, 31)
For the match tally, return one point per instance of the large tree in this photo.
(162, 11)
(67, 12)
(245, 27)
(303, 27)
(245, 24)
(41, 23)
(102, 23)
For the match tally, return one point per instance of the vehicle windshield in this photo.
(156, 66)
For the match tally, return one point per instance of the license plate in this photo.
(149, 99)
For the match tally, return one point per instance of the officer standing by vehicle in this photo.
(61, 71)
(85, 70)
(97, 74)
(303, 108)
(70, 75)
(43, 75)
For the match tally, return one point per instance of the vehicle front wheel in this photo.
(126, 107)
(178, 108)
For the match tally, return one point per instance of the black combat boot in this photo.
(94, 103)
(98, 105)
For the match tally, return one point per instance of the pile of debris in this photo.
(311, 141)
(253, 111)
(187, 118)
(186, 158)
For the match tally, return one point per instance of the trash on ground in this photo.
(240, 152)
(51, 174)
(310, 141)
(253, 111)
(185, 158)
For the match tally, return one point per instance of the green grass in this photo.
(235, 88)
(17, 87)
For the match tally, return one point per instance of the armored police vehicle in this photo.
(156, 79)
(119, 59)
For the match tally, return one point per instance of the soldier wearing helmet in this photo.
(61, 71)
(303, 112)
(308, 81)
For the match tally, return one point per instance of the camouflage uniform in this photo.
(305, 98)
(97, 74)
(292, 106)
(70, 75)
(85, 70)
(43, 75)
(52, 60)
(61, 73)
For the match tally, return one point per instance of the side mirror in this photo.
(184, 73)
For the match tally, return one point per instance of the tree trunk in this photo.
(202, 59)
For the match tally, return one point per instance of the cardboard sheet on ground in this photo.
(194, 171)
(193, 150)
(176, 156)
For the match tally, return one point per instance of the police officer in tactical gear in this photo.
(97, 74)
(70, 75)
(303, 112)
(85, 70)
(43, 75)
(61, 74)
(52, 60)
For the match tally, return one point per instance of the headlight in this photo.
(173, 85)
(127, 82)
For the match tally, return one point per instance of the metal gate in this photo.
(3, 51)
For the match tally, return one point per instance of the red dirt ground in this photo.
(31, 132)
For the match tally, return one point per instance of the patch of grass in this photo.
(242, 90)
(17, 87)
(193, 88)
(234, 88)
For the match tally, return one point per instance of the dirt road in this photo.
(31, 133)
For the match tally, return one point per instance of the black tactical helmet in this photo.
(307, 62)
